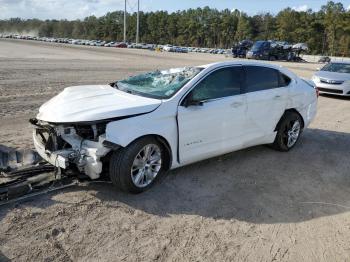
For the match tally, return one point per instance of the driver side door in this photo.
(211, 118)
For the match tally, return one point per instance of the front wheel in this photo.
(272, 58)
(137, 167)
(288, 132)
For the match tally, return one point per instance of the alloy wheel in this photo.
(292, 133)
(146, 165)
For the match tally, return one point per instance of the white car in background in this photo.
(150, 123)
(333, 78)
(168, 48)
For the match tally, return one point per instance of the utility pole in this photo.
(138, 22)
(125, 21)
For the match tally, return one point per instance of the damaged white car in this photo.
(140, 127)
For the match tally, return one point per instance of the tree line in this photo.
(326, 31)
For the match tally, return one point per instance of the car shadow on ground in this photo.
(256, 185)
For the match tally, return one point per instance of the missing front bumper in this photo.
(57, 158)
(84, 154)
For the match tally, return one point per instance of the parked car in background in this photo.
(324, 59)
(110, 44)
(333, 78)
(100, 43)
(168, 48)
(277, 50)
(150, 123)
(241, 49)
(121, 45)
(265, 50)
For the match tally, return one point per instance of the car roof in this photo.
(340, 62)
(246, 63)
(239, 62)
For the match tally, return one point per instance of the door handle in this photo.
(236, 104)
(277, 97)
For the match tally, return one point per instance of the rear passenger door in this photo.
(267, 95)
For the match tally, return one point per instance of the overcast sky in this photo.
(72, 9)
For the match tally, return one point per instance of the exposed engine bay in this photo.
(81, 144)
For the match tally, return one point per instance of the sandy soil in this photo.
(251, 205)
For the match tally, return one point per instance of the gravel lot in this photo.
(252, 205)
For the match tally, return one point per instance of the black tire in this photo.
(285, 125)
(272, 58)
(122, 160)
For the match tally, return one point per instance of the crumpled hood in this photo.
(333, 75)
(94, 102)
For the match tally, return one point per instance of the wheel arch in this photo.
(164, 143)
(292, 110)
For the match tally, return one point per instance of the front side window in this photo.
(257, 46)
(259, 78)
(260, 45)
(220, 83)
(158, 84)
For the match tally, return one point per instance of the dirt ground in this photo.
(252, 205)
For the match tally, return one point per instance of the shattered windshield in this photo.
(337, 67)
(158, 84)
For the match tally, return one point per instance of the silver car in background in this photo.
(333, 78)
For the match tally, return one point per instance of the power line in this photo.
(138, 19)
(131, 7)
(138, 22)
(125, 21)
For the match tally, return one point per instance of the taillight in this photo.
(317, 91)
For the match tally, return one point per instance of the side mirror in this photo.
(189, 101)
(318, 68)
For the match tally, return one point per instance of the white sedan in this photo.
(333, 78)
(140, 127)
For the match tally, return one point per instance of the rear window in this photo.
(283, 80)
(259, 78)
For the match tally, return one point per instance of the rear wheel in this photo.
(138, 166)
(288, 132)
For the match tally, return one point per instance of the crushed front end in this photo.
(63, 145)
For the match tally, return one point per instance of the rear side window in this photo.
(220, 83)
(283, 80)
(259, 78)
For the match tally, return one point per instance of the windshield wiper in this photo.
(129, 91)
(115, 85)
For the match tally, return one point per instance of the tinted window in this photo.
(221, 83)
(283, 80)
(260, 45)
(260, 78)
